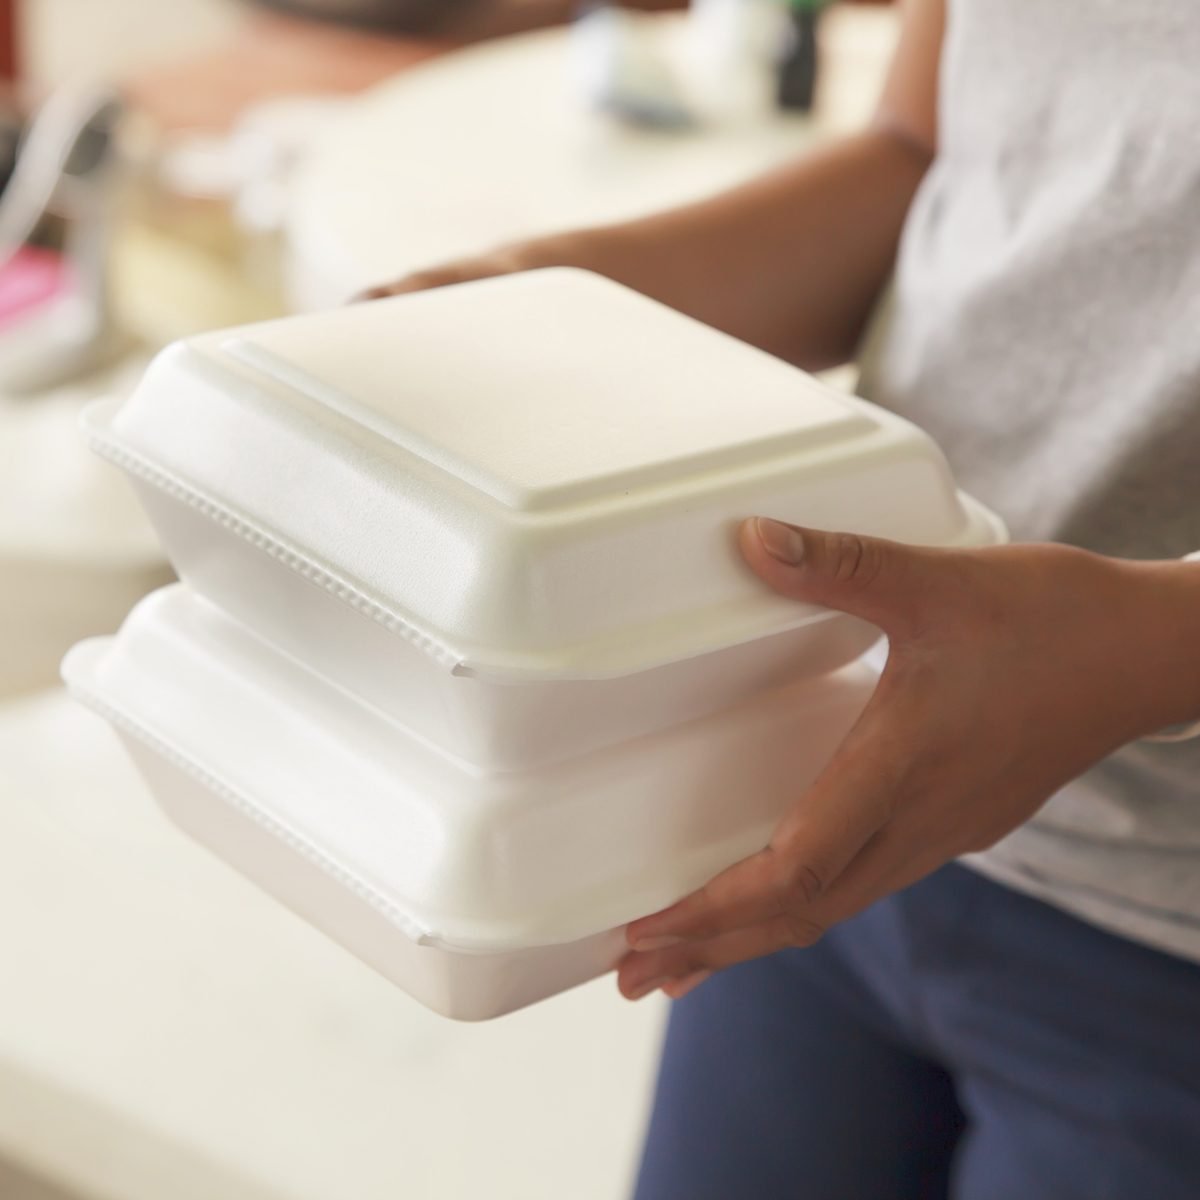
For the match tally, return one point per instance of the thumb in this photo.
(886, 583)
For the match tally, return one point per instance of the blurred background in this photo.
(166, 1031)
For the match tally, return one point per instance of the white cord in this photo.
(43, 158)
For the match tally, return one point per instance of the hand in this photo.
(587, 249)
(1012, 670)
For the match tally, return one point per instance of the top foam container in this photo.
(505, 512)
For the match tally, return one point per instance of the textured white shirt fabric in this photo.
(1045, 328)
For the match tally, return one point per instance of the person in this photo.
(968, 963)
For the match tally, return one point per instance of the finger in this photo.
(379, 292)
(422, 282)
(913, 846)
(430, 280)
(677, 989)
(384, 291)
(850, 803)
(887, 865)
(895, 860)
(639, 974)
(890, 584)
(753, 890)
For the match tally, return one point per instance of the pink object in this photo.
(30, 278)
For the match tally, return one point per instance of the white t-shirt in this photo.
(1045, 328)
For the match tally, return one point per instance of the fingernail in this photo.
(651, 985)
(689, 983)
(661, 942)
(780, 541)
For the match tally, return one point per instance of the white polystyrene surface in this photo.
(549, 389)
(535, 475)
(447, 854)
(503, 724)
(465, 987)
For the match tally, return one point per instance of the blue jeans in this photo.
(957, 1040)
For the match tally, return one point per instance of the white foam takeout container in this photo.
(475, 891)
(505, 512)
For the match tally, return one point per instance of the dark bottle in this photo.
(797, 82)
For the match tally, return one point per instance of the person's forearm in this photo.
(792, 262)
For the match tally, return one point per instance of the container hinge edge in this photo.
(247, 808)
(273, 546)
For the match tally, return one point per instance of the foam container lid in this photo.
(536, 476)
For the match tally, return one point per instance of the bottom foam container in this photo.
(475, 891)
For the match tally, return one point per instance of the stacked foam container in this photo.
(464, 665)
